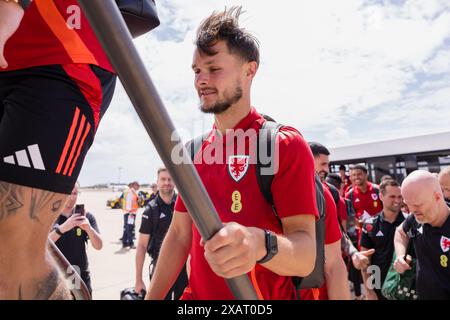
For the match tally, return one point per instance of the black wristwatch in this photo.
(25, 4)
(58, 230)
(271, 246)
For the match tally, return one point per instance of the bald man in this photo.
(428, 227)
(444, 180)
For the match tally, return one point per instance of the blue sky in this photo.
(342, 72)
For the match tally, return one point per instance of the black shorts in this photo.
(48, 119)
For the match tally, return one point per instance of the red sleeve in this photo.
(179, 205)
(293, 187)
(332, 231)
(342, 209)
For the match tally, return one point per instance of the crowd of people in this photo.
(53, 97)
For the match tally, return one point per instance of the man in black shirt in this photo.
(429, 228)
(378, 233)
(71, 232)
(155, 222)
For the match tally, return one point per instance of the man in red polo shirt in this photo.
(336, 284)
(364, 195)
(225, 62)
(365, 199)
(55, 85)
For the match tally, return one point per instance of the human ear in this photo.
(252, 67)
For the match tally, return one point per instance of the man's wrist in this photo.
(58, 230)
(353, 251)
(271, 245)
(261, 249)
(24, 4)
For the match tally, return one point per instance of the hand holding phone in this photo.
(79, 209)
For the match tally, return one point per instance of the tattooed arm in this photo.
(26, 269)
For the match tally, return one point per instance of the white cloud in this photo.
(439, 64)
(338, 133)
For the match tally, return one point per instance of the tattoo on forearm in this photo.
(10, 199)
(40, 199)
(56, 206)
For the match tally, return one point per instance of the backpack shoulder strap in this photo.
(350, 195)
(334, 192)
(155, 215)
(194, 145)
(266, 140)
(376, 189)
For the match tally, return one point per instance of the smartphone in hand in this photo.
(79, 208)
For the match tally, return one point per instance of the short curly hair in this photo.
(224, 26)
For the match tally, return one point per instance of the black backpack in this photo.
(266, 138)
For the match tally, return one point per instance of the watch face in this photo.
(273, 243)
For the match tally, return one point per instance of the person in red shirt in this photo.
(336, 284)
(365, 199)
(364, 195)
(55, 85)
(225, 62)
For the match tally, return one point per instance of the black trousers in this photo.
(128, 230)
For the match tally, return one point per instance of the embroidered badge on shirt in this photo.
(374, 197)
(238, 166)
(445, 244)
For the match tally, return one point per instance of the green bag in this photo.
(398, 286)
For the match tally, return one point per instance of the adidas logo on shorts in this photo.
(30, 158)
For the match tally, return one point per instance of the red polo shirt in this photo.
(236, 196)
(45, 37)
(366, 204)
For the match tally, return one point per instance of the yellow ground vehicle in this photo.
(117, 202)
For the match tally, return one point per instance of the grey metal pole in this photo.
(81, 293)
(112, 32)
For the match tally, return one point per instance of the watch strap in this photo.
(25, 4)
(271, 246)
(58, 230)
